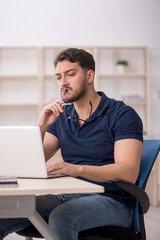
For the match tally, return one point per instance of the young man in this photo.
(100, 140)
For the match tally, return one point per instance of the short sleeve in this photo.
(128, 125)
(52, 129)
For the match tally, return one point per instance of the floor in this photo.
(152, 220)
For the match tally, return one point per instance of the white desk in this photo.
(20, 201)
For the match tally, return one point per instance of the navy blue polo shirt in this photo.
(92, 143)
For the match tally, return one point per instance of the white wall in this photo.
(84, 22)
(87, 22)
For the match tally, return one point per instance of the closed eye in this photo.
(58, 77)
(71, 74)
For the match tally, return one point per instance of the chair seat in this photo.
(108, 233)
(98, 233)
(30, 231)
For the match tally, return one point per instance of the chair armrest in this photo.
(136, 191)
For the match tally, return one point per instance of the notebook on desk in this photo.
(21, 152)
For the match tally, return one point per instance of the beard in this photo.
(76, 95)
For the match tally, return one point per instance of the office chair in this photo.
(137, 231)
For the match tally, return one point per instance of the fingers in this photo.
(61, 167)
(55, 167)
(50, 113)
(55, 107)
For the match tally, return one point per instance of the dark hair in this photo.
(82, 57)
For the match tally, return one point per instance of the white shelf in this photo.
(125, 75)
(140, 102)
(18, 104)
(49, 76)
(4, 77)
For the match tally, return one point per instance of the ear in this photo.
(90, 76)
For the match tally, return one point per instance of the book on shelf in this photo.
(8, 182)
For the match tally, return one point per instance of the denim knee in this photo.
(86, 212)
(62, 224)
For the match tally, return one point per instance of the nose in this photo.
(63, 81)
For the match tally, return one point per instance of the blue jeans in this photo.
(70, 213)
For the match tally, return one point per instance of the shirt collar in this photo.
(103, 104)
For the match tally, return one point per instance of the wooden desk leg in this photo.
(42, 226)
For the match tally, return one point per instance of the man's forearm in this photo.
(95, 173)
(108, 172)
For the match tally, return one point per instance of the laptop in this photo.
(21, 152)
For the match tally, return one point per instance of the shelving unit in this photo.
(27, 80)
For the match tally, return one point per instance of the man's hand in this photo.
(60, 167)
(49, 114)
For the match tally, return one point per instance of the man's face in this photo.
(71, 81)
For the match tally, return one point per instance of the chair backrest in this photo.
(150, 151)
